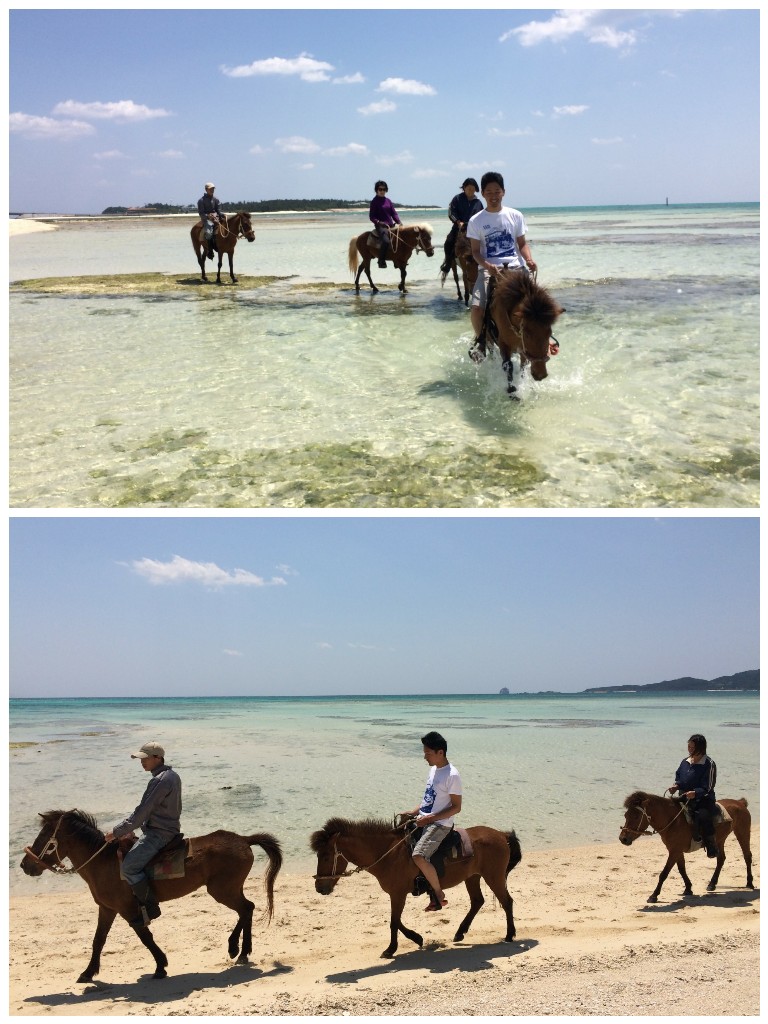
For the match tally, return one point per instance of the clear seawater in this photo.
(305, 395)
(556, 768)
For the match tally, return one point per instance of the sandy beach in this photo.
(587, 944)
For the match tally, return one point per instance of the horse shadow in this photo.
(468, 959)
(733, 899)
(152, 991)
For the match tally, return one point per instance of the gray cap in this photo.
(149, 750)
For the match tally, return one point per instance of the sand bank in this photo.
(587, 944)
(27, 227)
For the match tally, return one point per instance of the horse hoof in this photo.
(160, 973)
(711, 888)
(85, 978)
(386, 955)
(652, 899)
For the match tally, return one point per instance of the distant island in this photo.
(253, 206)
(749, 680)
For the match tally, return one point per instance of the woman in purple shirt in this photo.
(384, 216)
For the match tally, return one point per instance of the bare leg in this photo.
(431, 876)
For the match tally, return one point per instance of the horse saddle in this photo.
(718, 818)
(374, 241)
(456, 846)
(168, 862)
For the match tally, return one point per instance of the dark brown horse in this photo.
(462, 257)
(648, 815)
(226, 234)
(404, 241)
(380, 849)
(520, 318)
(219, 861)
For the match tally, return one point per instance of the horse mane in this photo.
(519, 293)
(343, 826)
(82, 824)
(638, 797)
(421, 227)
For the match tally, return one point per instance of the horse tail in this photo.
(515, 853)
(271, 847)
(352, 255)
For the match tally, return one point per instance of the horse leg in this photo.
(201, 261)
(161, 960)
(742, 837)
(366, 266)
(718, 867)
(396, 905)
(231, 256)
(671, 859)
(401, 286)
(476, 901)
(221, 891)
(218, 269)
(106, 919)
(688, 891)
(456, 280)
(497, 883)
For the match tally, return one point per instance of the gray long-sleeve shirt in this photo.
(160, 807)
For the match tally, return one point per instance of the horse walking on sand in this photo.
(462, 257)
(219, 861)
(378, 848)
(647, 814)
(226, 235)
(520, 315)
(404, 242)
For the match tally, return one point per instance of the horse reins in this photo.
(653, 831)
(360, 867)
(52, 846)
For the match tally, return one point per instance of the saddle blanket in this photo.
(166, 864)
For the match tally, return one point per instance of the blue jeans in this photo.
(141, 853)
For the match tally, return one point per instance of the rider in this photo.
(463, 206)
(695, 779)
(497, 237)
(384, 216)
(158, 817)
(435, 813)
(209, 208)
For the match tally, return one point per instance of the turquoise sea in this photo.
(304, 395)
(556, 768)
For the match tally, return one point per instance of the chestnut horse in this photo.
(219, 861)
(462, 257)
(403, 242)
(647, 814)
(380, 849)
(226, 234)
(519, 318)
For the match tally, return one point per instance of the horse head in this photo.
(529, 311)
(636, 820)
(424, 239)
(331, 864)
(245, 228)
(53, 840)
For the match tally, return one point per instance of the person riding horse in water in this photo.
(384, 216)
(435, 813)
(695, 781)
(158, 817)
(209, 208)
(463, 206)
(497, 237)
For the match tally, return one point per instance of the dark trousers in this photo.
(703, 811)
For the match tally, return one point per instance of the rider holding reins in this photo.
(384, 216)
(209, 208)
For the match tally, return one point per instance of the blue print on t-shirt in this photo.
(429, 800)
(500, 245)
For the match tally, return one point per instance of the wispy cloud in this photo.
(351, 149)
(121, 111)
(404, 157)
(171, 154)
(110, 154)
(406, 87)
(33, 127)
(378, 107)
(572, 110)
(297, 144)
(208, 574)
(608, 142)
(355, 79)
(304, 67)
(232, 653)
(513, 133)
(603, 28)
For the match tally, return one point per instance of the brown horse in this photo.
(380, 849)
(219, 861)
(404, 241)
(519, 320)
(462, 257)
(647, 814)
(226, 235)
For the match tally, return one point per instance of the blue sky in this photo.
(173, 606)
(575, 107)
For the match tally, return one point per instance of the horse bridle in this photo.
(52, 847)
(360, 867)
(649, 830)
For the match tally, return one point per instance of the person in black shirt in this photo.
(463, 206)
(695, 780)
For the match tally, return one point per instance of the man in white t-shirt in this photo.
(497, 237)
(435, 813)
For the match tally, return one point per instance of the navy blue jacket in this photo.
(461, 209)
(700, 778)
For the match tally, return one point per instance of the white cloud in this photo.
(325, 646)
(297, 144)
(171, 154)
(596, 26)
(351, 149)
(406, 87)
(380, 107)
(110, 154)
(512, 134)
(355, 79)
(232, 653)
(256, 150)
(182, 570)
(304, 66)
(33, 127)
(122, 110)
(570, 111)
(405, 157)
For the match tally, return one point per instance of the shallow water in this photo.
(314, 397)
(554, 768)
